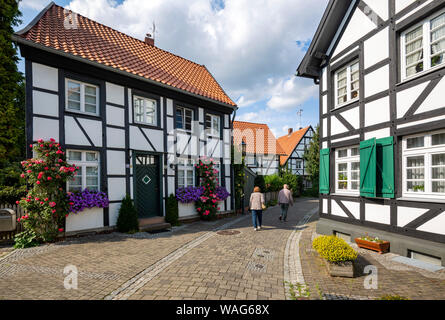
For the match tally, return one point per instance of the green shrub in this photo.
(271, 203)
(127, 220)
(171, 212)
(392, 297)
(25, 239)
(334, 249)
(9, 195)
(273, 183)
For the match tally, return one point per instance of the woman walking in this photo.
(257, 206)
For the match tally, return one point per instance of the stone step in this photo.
(153, 224)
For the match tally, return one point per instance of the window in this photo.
(145, 110)
(347, 84)
(424, 165)
(82, 97)
(217, 166)
(212, 124)
(186, 173)
(423, 46)
(347, 164)
(88, 174)
(184, 118)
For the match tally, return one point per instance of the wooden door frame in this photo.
(160, 156)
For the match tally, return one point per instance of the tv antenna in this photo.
(299, 114)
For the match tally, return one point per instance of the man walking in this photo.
(284, 199)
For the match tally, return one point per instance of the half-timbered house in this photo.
(294, 145)
(262, 149)
(133, 117)
(380, 68)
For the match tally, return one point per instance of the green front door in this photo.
(147, 186)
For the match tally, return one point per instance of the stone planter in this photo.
(381, 248)
(342, 269)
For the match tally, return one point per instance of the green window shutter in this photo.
(368, 164)
(324, 171)
(385, 167)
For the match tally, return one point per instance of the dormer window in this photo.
(347, 84)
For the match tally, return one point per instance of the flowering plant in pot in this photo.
(86, 199)
(45, 204)
(189, 194)
(373, 243)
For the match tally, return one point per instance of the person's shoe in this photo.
(280, 218)
(255, 229)
(259, 228)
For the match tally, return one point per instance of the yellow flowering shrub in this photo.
(334, 249)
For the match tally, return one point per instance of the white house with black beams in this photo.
(134, 117)
(380, 67)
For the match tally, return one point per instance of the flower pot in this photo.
(381, 248)
(342, 269)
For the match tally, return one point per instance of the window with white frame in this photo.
(184, 118)
(424, 165)
(186, 173)
(213, 125)
(145, 110)
(88, 174)
(347, 84)
(82, 97)
(423, 45)
(217, 166)
(347, 170)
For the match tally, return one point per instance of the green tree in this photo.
(312, 157)
(11, 88)
(239, 176)
(127, 220)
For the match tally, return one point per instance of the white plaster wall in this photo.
(406, 98)
(336, 126)
(402, 4)
(115, 116)
(436, 225)
(358, 26)
(170, 107)
(377, 112)
(226, 121)
(344, 139)
(137, 140)
(87, 219)
(115, 93)
(171, 186)
(113, 210)
(377, 47)
(45, 129)
(426, 121)
(116, 162)
(382, 133)
(115, 138)
(156, 137)
(377, 213)
(380, 7)
(377, 81)
(324, 101)
(435, 99)
(45, 77)
(324, 79)
(324, 145)
(45, 103)
(73, 133)
(201, 115)
(406, 214)
(325, 128)
(94, 130)
(116, 188)
(325, 206)
(354, 208)
(337, 211)
(353, 117)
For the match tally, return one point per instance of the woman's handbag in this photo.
(263, 206)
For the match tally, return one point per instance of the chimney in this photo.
(289, 131)
(149, 40)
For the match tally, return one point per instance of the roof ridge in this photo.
(124, 34)
(264, 124)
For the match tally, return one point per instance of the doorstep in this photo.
(153, 224)
(418, 264)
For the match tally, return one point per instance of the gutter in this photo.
(32, 44)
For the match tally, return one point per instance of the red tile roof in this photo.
(99, 43)
(258, 138)
(290, 142)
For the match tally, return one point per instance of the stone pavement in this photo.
(393, 278)
(192, 262)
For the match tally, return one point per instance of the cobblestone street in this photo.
(225, 259)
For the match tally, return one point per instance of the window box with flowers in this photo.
(86, 210)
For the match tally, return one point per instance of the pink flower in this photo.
(60, 160)
(52, 204)
(30, 145)
(29, 171)
(22, 175)
(46, 199)
(40, 140)
(37, 199)
(18, 220)
(17, 202)
(207, 212)
(41, 202)
(46, 168)
(61, 230)
(53, 211)
(38, 182)
(41, 146)
(52, 140)
(49, 178)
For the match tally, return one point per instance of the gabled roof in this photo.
(92, 41)
(252, 132)
(329, 27)
(290, 142)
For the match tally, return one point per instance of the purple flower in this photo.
(87, 199)
(189, 194)
(222, 193)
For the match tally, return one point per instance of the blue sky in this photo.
(252, 50)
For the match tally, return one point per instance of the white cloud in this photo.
(33, 4)
(250, 47)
